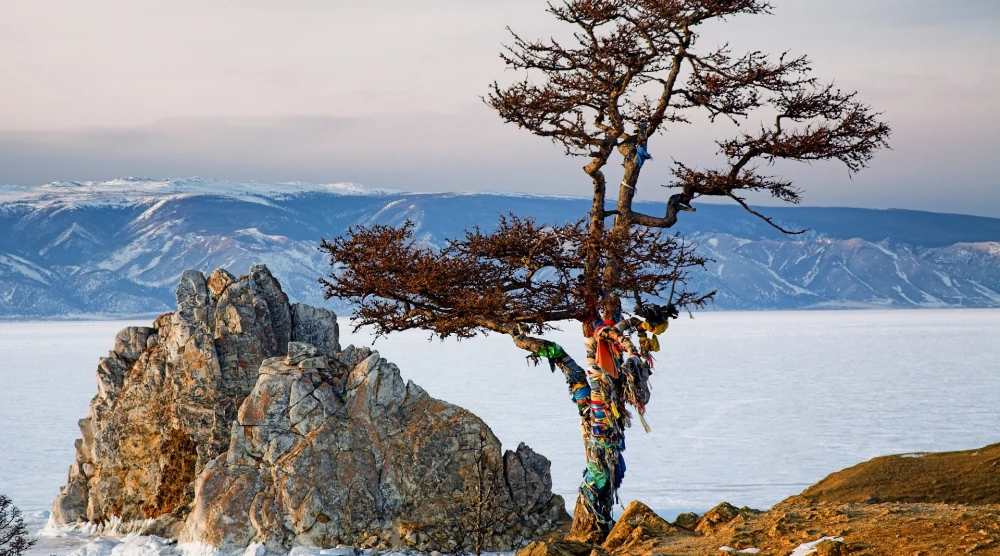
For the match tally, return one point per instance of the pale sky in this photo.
(387, 94)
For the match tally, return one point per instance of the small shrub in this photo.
(14, 539)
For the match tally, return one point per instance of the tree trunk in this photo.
(626, 193)
(592, 272)
(586, 525)
(603, 441)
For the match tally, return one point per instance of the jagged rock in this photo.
(529, 478)
(318, 466)
(964, 477)
(637, 525)
(687, 520)
(238, 419)
(556, 548)
(298, 352)
(316, 326)
(147, 436)
(585, 527)
(829, 547)
(719, 516)
(219, 280)
(716, 517)
(132, 341)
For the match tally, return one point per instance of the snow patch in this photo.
(886, 251)
(116, 526)
(260, 236)
(986, 292)
(134, 544)
(785, 283)
(810, 547)
(814, 271)
(74, 229)
(25, 268)
(944, 278)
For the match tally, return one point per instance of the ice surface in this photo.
(48, 376)
(749, 408)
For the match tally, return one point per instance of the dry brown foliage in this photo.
(514, 280)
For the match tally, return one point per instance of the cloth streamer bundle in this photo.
(617, 374)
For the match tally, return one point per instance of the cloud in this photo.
(935, 13)
(388, 95)
(416, 151)
(472, 150)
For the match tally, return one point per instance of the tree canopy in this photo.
(515, 280)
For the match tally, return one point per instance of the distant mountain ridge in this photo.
(116, 247)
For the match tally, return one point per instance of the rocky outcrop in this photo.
(239, 419)
(167, 394)
(390, 459)
(637, 525)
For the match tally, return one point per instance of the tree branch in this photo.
(765, 218)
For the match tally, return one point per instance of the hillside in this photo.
(116, 247)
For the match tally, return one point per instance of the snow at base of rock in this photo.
(140, 545)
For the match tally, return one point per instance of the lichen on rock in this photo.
(238, 419)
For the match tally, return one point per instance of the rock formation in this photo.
(239, 419)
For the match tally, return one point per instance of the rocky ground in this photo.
(907, 505)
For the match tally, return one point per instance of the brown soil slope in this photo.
(862, 530)
(969, 477)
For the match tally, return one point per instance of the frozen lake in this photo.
(749, 408)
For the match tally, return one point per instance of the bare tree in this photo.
(14, 539)
(631, 69)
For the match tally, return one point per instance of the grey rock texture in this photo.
(238, 419)
(342, 450)
(167, 395)
(316, 326)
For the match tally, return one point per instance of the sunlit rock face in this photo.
(238, 419)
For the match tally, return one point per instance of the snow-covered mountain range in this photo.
(118, 247)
